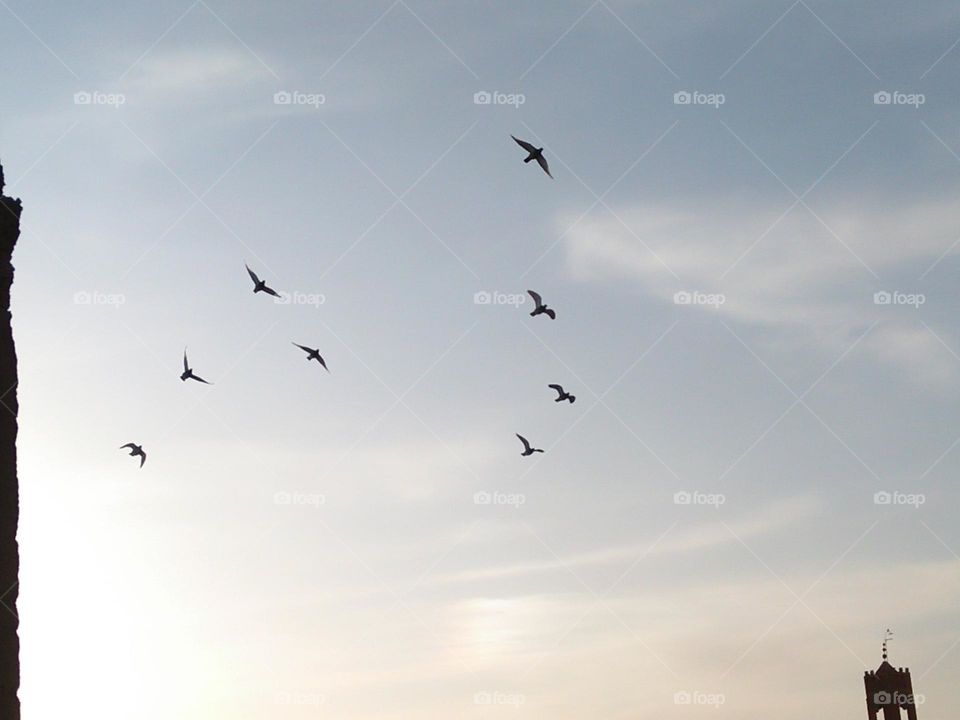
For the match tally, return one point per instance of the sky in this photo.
(751, 243)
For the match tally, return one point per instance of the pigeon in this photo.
(563, 394)
(136, 450)
(540, 308)
(527, 450)
(260, 285)
(535, 153)
(313, 355)
(187, 373)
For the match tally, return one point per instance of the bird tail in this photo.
(573, 399)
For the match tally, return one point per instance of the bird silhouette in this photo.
(187, 373)
(540, 308)
(534, 153)
(136, 450)
(527, 449)
(563, 394)
(260, 285)
(313, 354)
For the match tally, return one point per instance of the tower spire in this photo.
(887, 637)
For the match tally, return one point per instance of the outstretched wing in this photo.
(526, 445)
(128, 445)
(524, 144)
(323, 362)
(270, 291)
(550, 314)
(143, 458)
(536, 297)
(558, 388)
(252, 274)
(186, 367)
(543, 163)
(200, 379)
(303, 347)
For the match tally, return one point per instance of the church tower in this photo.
(889, 690)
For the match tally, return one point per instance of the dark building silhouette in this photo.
(9, 495)
(889, 691)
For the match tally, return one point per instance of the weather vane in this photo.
(887, 636)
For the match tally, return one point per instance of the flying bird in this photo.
(540, 308)
(136, 450)
(313, 355)
(527, 450)
(260, 285)
(187, 373)
(563, 394)
(534, 153)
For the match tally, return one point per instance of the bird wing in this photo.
(128, 445)
(253, 275)
(536, 297)
(526, 445)
(270, 291)
(302, 347)
(143, 458)
(543, 163)
(200, 379)
(524, 144)
(558, 388)
(550, 314)
(323, 362)
(186, 367)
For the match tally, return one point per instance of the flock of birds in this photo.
(260, 286)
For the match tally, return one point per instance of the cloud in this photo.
(810, 276)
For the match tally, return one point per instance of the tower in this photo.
(889, 690)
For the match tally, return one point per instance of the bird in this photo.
(136, 450)
(527, 450)
(540, 308)
(563, 394)
(260, 285)
(535, 153)
(187, 373)
(313, 355)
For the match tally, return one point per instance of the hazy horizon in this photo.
(751, 243)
